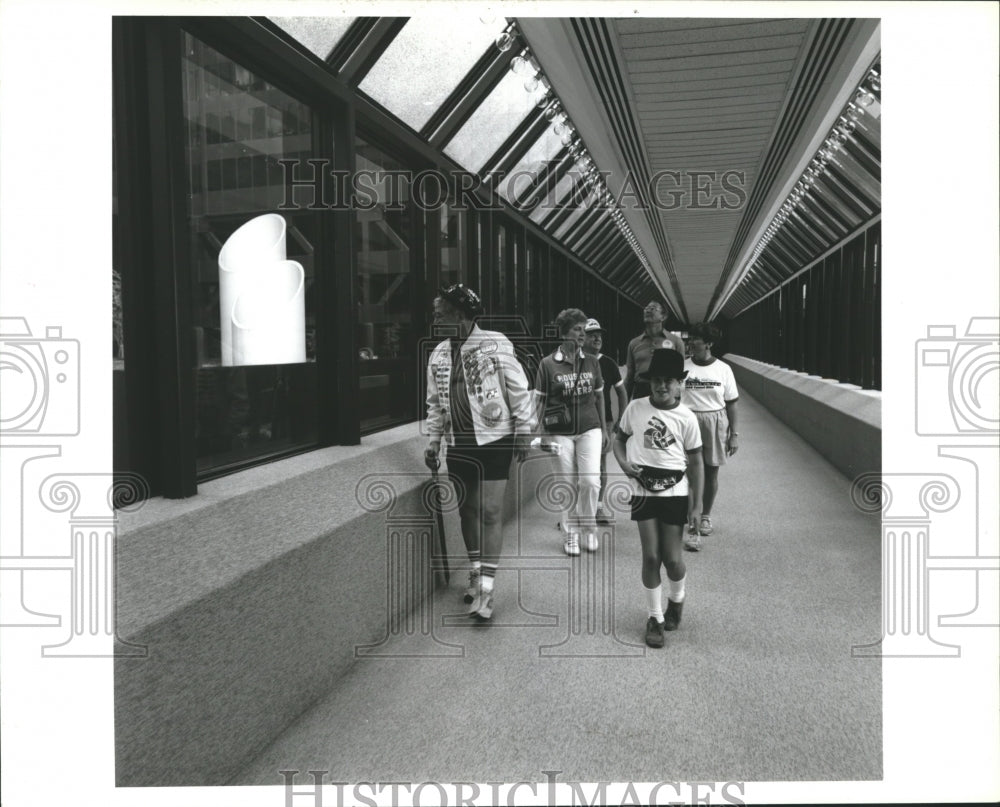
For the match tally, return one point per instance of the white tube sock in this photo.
(675, 589)
(654, 602)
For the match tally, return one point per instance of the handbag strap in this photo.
(577, 368)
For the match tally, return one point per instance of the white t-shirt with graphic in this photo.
(708, 387)
(659, 438)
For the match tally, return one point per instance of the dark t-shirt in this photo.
(612, 375)
(640, 353)
(572, 381)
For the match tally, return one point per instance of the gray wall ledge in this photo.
(254, 597)
(841, 421)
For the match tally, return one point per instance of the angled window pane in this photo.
(824, 189)
(865, 184)
(426, 61)
(319, 34)
(556, 198)
(386, 297)
(582, 237)
(453, 246)
(491, 123)
(569, 222)
(543, 150)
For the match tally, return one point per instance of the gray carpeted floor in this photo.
(757, 685)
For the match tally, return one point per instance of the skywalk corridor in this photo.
(759, 683)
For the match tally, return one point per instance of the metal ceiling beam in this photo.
(367, 43)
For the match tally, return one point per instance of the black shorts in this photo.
(474, 464)
(668, 509)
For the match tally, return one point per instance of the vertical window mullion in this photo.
(170, 263)
(340, 298)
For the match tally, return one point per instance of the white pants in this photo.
(579, 462)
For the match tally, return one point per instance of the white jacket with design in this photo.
(499, 397)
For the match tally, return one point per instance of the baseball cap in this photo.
(463, 298)
(592, 325)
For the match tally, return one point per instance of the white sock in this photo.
(675, 589)
(654, 602)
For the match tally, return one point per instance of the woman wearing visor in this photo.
(569, 386)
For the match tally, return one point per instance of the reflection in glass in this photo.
(425, 62)
(534, 269)
(120, 442)
(238, 127)
(453, 269)
(385, 334)
(502, 287)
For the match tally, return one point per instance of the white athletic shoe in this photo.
(590, 542)
(472, 590)
(572, 545)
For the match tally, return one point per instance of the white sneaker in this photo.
(482, 608)
(590, 542)
(572, 545)
(472, 590)
(692, 541)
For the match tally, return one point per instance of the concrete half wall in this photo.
(253, 599)
(841, 421)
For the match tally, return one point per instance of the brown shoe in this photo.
(654, 632)
(672, 616)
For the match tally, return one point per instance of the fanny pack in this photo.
(556, 416)
(657, 480)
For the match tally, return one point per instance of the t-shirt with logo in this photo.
(659, 438)
(708, 387)
(573, 380)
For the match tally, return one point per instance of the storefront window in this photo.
(253, 264)
(385, 300)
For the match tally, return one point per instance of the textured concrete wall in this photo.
(252, 597)
(842, 422)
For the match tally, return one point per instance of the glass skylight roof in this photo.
(557, 197)
(576, 214)
(491, 123)
(319, 34)
(426, 61)
(544, 149)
